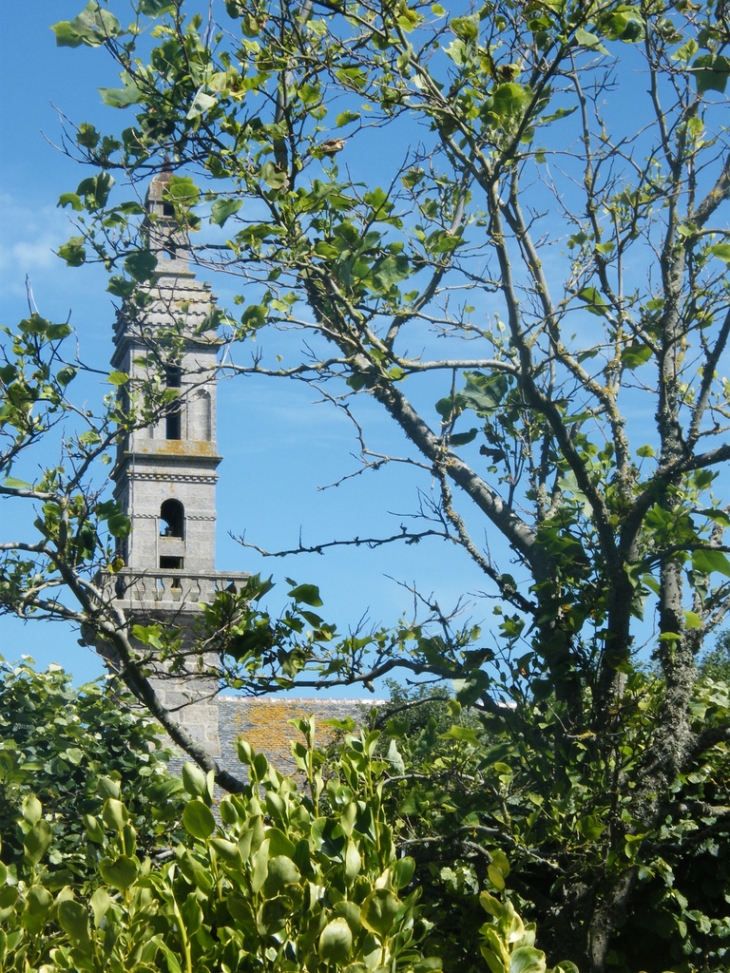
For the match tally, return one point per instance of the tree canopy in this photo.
(505, 226)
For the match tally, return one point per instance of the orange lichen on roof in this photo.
(264, 723)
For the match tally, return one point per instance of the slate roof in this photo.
(264, 723)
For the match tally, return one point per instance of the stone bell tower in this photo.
(165, 474)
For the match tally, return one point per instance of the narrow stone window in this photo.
(173, 419)
(171, 563)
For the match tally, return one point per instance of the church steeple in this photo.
(166, 473)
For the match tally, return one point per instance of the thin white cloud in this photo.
(28, 239)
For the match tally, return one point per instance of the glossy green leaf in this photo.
(32, 809)
(403, 871)
(281, 871)
(198, 820)
(335, 942)
(527, 959)
(194, 779)
(379, 910)
(114, 814)
(119, 872)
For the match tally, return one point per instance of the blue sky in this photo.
(278, 447)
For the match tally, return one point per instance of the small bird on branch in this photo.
(330, 147)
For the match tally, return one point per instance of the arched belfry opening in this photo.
(172, 519)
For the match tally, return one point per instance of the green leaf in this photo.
(198, 820)
(14, 484)
(721, 250)
(495, 877)
(121, 97)
(379, 910)
(692, 620)
(114, 814)
(708, 561)
(155, 8)
(482, 393)
(94, 830)
(591, 827)
(635, 355)
(254, 316)
(223, 208)
(346, 117)
(73, 251)
(65, 375)
(38, 903)
(141, 265)
(95, 190)
(711, 72)
(490, 904)
(335, 942)
(466, 734)
(391, 270)
(37, 842)
(72, 200)
(182, 191)
(201, 103)
(100, 903)
(228, 850)
(119, 873)
(73, 919)
(93, 27)
(307, 593)
(465, 28)
(527, 959)
(194, 780)
(108, 787)
(271, 917)
(507, 100)
(462, 438)
(593, 298)
(32, 809)
(260, 862)
(281, 871)
(273, 177)
(402, 871)
(586, 39)
(353, 861)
